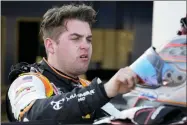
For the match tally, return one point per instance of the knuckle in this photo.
(118, 76)
(119, 81)
(126, 68)
(120, 70)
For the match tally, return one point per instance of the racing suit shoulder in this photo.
(70, 101)
(25, 89)
(28, 99)
(70, 105)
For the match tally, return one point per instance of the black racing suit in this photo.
(70, 102)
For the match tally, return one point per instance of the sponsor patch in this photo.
(27, 79)
(28, 88)
(57, 105)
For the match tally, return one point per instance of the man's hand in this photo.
(122, 82)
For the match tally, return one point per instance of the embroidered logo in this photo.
(57, 105)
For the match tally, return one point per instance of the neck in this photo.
(53, 63)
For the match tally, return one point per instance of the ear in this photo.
(49, 45)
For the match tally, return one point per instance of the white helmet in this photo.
(163, 75)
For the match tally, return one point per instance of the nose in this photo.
(85, 45)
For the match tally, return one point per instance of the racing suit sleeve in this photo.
(30, 100)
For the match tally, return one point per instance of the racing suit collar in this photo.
(47, 66)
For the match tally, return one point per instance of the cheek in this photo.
(61, 51)
(67, 50)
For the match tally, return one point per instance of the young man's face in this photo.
(74, 50)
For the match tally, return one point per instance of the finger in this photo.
(133, 74)
(127, 77)
(129, 80)
(129, 72)
(132, 77)
(124, 79)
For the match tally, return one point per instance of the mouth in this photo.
(84, 57)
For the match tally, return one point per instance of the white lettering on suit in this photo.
(57, 105)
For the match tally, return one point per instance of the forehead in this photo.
(78, 26)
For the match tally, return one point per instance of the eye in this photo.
(75, 38)
(89, 40)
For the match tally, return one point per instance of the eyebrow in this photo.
(79, 35)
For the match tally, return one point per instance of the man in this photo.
(51, 89)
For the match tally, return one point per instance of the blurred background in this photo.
(122, 33)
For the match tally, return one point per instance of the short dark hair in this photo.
(53, 20)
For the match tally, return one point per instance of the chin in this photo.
(83, 70)
(80, 69)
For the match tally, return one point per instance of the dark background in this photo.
(123, 31)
